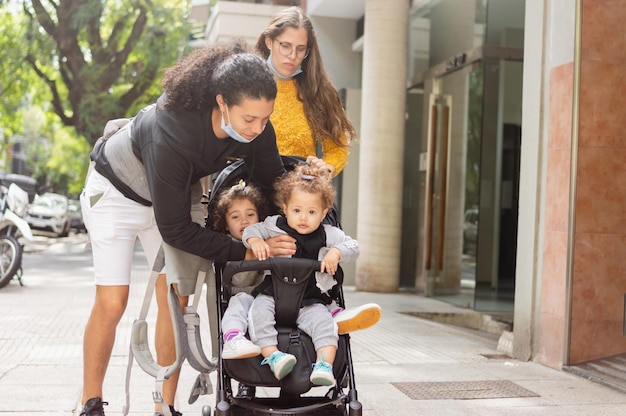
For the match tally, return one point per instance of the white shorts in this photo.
(114, 223)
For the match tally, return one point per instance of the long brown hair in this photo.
(322, 105)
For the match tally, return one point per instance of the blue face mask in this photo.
(273, 68)
(228, 128)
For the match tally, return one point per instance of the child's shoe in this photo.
(361, 317)
(322, 374)
(239, 347)
(280, 363)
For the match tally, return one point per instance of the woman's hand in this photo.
(320, 165)
(282, 245)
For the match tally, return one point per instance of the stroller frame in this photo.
(290, 277)
(336, 401)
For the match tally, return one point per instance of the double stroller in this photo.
(290, 277)
(295, 391)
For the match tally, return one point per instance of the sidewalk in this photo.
(405, 366)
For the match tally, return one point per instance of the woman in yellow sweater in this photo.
(307, 110)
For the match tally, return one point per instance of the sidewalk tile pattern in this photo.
(487, 389)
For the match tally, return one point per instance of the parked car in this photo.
(49, 212)
(76, 216)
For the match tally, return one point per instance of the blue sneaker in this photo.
(322, 374)
(280, 363)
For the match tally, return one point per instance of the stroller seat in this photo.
(290, 277)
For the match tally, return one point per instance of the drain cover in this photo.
(463, 390)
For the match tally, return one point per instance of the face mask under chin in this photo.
(228, 128)
(275, 71)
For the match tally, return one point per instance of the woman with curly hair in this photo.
(308, 109)
(144, 184)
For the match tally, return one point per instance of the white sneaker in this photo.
(239, 347)
(361, 317)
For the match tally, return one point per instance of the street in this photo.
(42, 325)
(404, 366)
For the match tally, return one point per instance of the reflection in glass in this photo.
(472, 177)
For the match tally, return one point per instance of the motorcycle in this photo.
(13, 227)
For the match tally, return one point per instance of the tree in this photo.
(34, 142)
(55, 155)
(17, 82)
(102, 59)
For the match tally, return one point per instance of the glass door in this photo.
(499, 184)
(472, 185)
(451, 222)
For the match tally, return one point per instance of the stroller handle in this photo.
(280, 265)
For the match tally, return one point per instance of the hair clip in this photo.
(240, 185)
(307, 177)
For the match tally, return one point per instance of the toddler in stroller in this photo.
(305, 197)
(249, 371)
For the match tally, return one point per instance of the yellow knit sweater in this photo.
(293, 134)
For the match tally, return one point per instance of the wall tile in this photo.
(557, 189)
(560, 127)
(599, 256)
(602, 30)
(553, 272)
(601, 191)
(602, 109)
(595, 339)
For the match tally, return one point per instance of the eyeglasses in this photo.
(286, 49)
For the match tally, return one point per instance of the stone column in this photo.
(382, 144)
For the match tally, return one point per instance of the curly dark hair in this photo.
(308, 179)
(241, 191)
(227, 69)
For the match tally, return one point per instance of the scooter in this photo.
(13, 206)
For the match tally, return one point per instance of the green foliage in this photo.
(106, 56)
(56, 156)
(15, 78)
(66, 67)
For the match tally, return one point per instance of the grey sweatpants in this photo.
(236, 314)
(315, 320)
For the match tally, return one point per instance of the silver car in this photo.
(49, 212)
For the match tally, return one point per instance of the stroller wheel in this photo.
(355, 408)
(206, 410)
(222, 408)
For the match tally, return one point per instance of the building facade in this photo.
(488, 167)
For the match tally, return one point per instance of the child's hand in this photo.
(323, 167)
(330, 262)
(259, 247)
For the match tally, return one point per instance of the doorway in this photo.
(473, 141)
